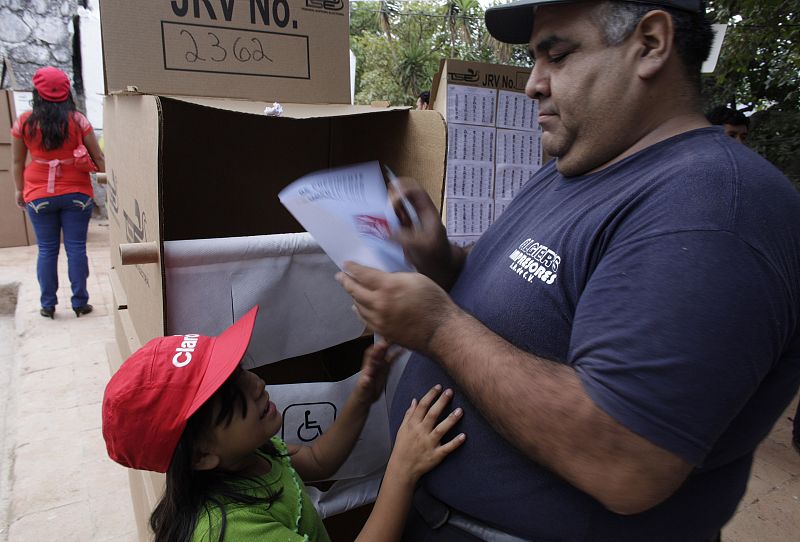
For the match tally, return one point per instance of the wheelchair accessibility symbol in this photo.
(305, 422)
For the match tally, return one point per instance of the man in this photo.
(735, 124)
(423, 100)
(626, 333)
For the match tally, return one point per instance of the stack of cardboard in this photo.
(493, 142)
(15, 228)
(191, 154)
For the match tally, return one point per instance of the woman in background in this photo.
(55, 191)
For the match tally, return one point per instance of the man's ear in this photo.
(655, 37)
(205, 461)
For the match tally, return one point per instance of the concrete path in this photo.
(56, 482)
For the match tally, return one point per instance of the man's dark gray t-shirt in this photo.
(670, 282)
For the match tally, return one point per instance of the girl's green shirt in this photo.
(292, 518)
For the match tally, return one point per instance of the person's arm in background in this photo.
(19, 152)
(99, 159)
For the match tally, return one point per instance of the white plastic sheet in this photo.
(212, 282)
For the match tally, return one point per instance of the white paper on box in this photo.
(347, 211)
(309, 409)
(517, 111)
(358, 480)
(468, 217)
(470, 143)
(515, 147)
(471, 105)
(469, 180)
(509, 180)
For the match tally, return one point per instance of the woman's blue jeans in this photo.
(70, 214)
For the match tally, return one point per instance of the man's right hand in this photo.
(426, 246)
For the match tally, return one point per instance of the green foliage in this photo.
(759, 72)
(398, 45)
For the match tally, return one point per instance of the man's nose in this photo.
(538, 84)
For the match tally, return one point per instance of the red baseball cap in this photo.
(149, 399)
(51, 83)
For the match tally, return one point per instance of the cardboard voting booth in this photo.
(198, 235)
(493, 142)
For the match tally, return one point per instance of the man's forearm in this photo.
(449, 274)
(541, 407)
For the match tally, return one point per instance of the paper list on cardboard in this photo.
(509, 180)
(468, 217)
(470, 143)
(500, 207)
(515, 147)
(471, 105)
(347, 211)
(469, 180)
(517, 111)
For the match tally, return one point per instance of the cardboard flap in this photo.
(133, 142)
(285, 50)
(290, 110)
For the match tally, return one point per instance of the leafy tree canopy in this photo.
(398, 46)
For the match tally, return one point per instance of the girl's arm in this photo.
(19, 154)
(324, 457)
(417, 450)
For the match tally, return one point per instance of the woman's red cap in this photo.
(149, 399)
(51, 83)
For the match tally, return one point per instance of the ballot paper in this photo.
(347, 211)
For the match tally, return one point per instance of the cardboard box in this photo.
(195, 168)
(475, 74)
(13, 232)
(5, 157)
(269, 50)
(493, 142)
(6, 115)
(15, 228)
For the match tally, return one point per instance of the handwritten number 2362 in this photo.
(219, 53)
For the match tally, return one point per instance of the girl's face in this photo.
(248, 429)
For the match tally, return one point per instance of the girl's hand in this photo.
(374, 370)
(418, 447)
(18, 199)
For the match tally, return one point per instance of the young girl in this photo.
(182, 405)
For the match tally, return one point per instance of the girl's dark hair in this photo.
(190, 492)
(51, 120)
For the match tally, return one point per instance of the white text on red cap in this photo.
(185, 350)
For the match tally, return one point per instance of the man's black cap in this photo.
(512, 23)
